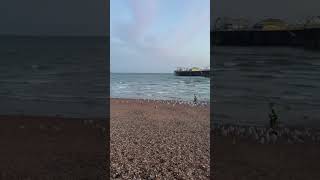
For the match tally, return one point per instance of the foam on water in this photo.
(159, 86)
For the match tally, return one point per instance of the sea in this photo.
(159, 86)
(68, 76)
(54, 76)
(247, 79)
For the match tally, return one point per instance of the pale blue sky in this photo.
(159, 35)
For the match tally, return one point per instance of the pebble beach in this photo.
(159, 139)
(255, 152)
(152, 139)
(47, 148)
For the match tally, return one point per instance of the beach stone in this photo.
(151, 177)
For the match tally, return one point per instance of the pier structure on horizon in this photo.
(194, 71)
(268, 32)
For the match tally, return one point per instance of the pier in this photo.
(192, 72)
(270, 32)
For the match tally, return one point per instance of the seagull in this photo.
(273, 138)
(267, 138)
(224, 132)
(256, 136)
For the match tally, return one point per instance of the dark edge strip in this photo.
(211, 98)
(107, 66)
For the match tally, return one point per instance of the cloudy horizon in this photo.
(159, 35)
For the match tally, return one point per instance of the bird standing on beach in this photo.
(273, 116)
(195, 99)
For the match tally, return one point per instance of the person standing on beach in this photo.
(195, 99)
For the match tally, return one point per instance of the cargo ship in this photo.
(192, 72)
(268, 32)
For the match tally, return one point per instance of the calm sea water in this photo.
(67, 76)
(246, 79)
(53, 76)
(159, 86)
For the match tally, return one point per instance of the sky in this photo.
(54, 17)
(157, 36)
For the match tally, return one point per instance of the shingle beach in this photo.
(159, 140)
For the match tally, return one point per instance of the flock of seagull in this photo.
(176, 102)
(265, 135)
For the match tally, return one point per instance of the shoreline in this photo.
(164, 101)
